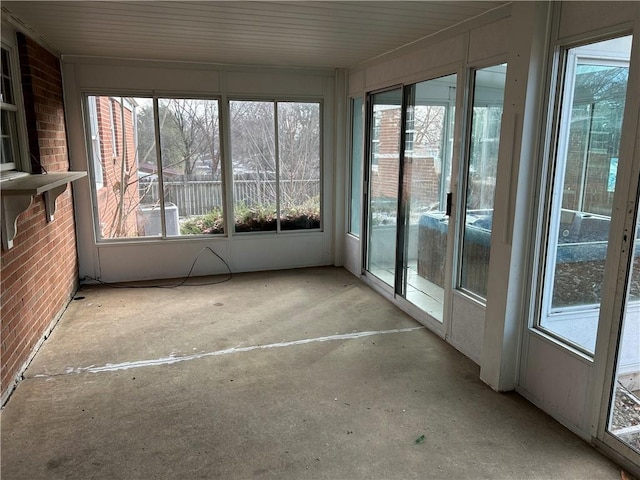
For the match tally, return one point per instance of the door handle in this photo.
(449, 202)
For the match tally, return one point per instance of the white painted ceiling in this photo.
(329, 34)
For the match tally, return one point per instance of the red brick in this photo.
(40, 272)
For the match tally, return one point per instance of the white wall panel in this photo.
(174, 259)
(417, 64)
(273, 83)
(142, 76)
(578, 18)
(467, 327)
(558, 383)
(356, 83)
(87, 255)
(271, 252)
(154, 260)
(489, 40)
(353, 255)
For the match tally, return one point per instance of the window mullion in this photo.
(277, 160)
(156, 122)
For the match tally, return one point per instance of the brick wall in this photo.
(40, 272)
(109, 116)
(421, 173)
(597, 197)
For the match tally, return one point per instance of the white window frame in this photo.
(19, 135)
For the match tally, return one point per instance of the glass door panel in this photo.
(428, 141)
(384, 167)
(482, 167)
(624, 410)
(588, 141)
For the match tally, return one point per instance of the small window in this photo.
(12, 150)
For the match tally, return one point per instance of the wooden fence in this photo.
(201, 196)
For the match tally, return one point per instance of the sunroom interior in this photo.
(476, 164)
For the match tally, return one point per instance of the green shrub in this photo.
(212, 222)
(256, 218)
(306, 215)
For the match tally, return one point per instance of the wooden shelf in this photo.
(37, 184)
(17, 194)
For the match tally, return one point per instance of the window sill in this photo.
(18, 192)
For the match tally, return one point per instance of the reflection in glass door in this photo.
(589, 131)
(481, 172)
(384, 165)
(624, 410)
(426, 172)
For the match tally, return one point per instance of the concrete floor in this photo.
(203, 402)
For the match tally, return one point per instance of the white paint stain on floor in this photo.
(171, 359)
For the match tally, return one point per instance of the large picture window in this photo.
(145, 191)
(157, 167)
(275, 152)
(588, 128)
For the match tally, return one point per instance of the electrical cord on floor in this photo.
(182, 283)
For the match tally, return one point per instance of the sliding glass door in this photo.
(412, 212)
(409, 176)
(426, 180)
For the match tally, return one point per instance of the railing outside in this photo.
(201, 196)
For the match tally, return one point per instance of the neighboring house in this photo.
(115, 166)
(423, 171)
